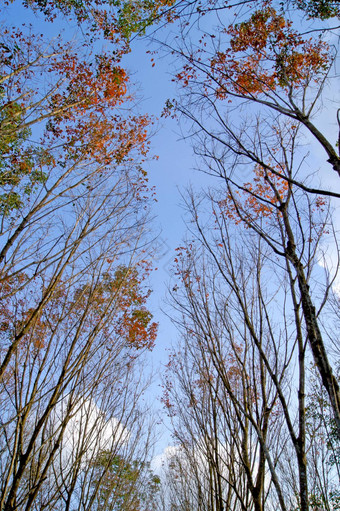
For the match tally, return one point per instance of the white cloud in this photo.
(87, 433)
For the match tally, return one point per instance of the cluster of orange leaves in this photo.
(120, 291)
(101, 83)
(79, 102)
(258, 198)
(133, 320)
(266, 53)
(120, 294)
(97, 91)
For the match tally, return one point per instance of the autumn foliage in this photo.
(74, 258)
(260, 199)
(266, 53)
(115, 21)
(262, 54)
(76, 109)
(259, 267)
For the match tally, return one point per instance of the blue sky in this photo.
(170, 174)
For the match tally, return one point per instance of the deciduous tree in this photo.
(242, 373)
(75, 254)
(251, 91)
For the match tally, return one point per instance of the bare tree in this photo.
(241, 318)
(82, 345)
(252, 91)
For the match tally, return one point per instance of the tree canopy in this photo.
(252, 387)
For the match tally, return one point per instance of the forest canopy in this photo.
(251, 389)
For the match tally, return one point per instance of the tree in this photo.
(116, 21)
(76, 360)
(324, 451)
(274, 77)
(74, 257)
(88, 146)
(236, 390)
(322, 9)
(74, 99)
(127, 486)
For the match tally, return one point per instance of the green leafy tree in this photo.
(122, 485)
(322, 9)
(117, 20)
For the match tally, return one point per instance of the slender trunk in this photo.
(313, 332)
(300, 441)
